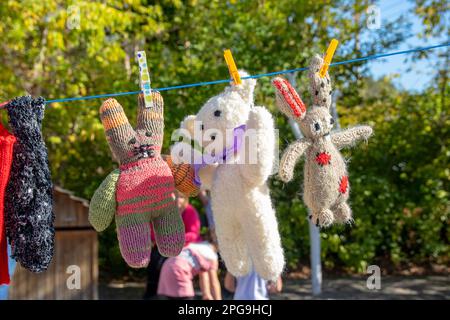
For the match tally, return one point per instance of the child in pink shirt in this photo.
(192, 234)
(197, 258)
(178, 272)
(191, 222)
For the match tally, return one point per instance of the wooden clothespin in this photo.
(328, 57)
(232, 67)
(145, 78)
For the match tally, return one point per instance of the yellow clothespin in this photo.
(145, 78)
(328, 57)
(232, 67)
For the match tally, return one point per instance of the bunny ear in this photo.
(246, 88)
(320, 88)
(288, 100)
(117, 128)
(151, 119)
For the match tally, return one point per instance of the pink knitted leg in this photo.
(135, 242)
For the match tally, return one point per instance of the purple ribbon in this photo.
(238, 138)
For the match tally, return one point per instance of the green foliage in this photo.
(399, 182)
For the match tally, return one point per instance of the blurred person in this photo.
(206, 201)
(251, 286)
(197, 258)
(177, 273)
(209, 279)
(192, 234)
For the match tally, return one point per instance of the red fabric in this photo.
(323, 158)
(343, 185)
(192, 225)
(6, 151)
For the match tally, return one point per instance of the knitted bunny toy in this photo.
(246, 226)
(142, 190)
(326, 185)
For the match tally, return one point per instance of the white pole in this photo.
(335, 95)
(314, 234)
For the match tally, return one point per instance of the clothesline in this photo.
(270, 74)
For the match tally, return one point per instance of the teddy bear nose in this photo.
(213, 137)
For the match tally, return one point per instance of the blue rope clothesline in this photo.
(256, 76)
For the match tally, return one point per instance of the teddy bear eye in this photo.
(148, 134)
(317, 126)
(132, 141)
(217, 113)
(332, 121)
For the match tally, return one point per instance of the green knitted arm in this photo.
(103, 204)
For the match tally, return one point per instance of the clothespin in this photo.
(145, 78)
(328, 57)
(232, 67)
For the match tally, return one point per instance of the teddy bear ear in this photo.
(188, 123)
(288, 100)
(246, 88)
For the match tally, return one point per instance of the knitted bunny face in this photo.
(222, 113)
(317, 122)
(129, 145)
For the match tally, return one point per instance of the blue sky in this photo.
(419, 76)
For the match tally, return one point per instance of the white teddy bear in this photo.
(246, 226)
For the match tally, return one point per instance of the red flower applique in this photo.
(323, 158)
(343, 185)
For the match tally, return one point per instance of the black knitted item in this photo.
(28, 197)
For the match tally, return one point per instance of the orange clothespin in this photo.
(232, 67)
(328, 57)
